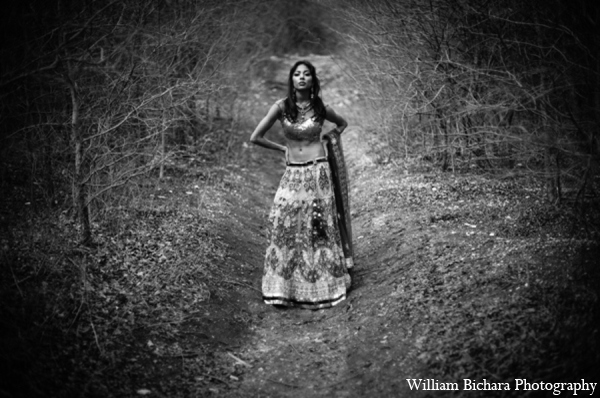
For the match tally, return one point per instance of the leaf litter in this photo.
(457, 276)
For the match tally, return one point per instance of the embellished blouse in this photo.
(300, 130)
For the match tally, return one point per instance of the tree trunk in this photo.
(549, 139)
(79, 186)
(163, 152)
(552, 172)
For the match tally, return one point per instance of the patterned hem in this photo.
(304, 304)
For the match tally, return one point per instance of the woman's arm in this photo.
(333, 117)
(258, 135)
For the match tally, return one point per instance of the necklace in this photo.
(303, 109)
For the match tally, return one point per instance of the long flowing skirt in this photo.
(304, 263)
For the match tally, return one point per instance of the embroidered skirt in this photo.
(304, 263)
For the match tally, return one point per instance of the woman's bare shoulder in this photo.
(280, 103)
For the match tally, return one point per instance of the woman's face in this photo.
(302, 78)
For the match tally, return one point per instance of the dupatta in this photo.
(339, 174)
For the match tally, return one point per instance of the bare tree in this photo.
(490, 85)
(129, 85)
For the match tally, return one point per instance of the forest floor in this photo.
(458, 276)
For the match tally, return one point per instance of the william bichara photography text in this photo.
(571, 388)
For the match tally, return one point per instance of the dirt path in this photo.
(457, 277)
(355, 348)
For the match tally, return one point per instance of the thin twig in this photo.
(219, 379)
(284, 383)
(239, 361)
(295, 349)
(96, 337)
(242, 284)
(368, 271)
(190, 354)
(16, 281)
(16, 284)
(332, 316)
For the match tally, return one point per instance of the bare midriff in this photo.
(302, 136)
(304, 151)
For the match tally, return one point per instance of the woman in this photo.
(306, 262)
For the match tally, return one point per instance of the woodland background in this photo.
(97, 93)
(102, 101)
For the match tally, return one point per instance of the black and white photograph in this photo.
(299, 198)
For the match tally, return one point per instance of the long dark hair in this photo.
(317, 102)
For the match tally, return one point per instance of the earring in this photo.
(294, 95)
(312, 93)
